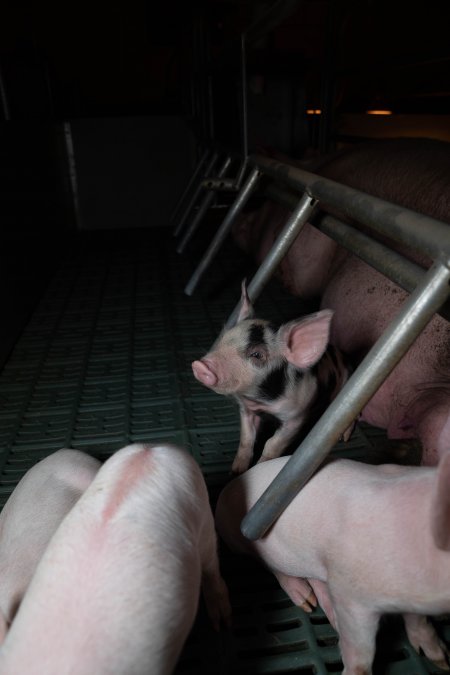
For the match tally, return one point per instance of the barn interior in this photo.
(105, 113)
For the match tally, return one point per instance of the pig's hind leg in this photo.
(423, 637)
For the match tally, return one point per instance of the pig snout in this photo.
(204, 373)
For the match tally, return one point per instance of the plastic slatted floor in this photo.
(105, 360)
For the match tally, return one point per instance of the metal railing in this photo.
(305, 193)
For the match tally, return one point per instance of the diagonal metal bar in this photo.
(193, 179)
(415, 313)
(223, 231)
(286, 238)
(204, 206)
(195, 195)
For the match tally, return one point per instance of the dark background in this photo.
(105, 107)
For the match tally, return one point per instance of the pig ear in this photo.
(440, 511)
(305, 341)
(246, 310)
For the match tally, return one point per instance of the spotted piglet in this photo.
(289, 372)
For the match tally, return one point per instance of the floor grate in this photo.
(105, 360)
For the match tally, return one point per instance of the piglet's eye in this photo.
(257, 355)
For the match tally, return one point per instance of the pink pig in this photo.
(117, 589)
(287, 371)
(414, 401)
(32, 514)
(370, 539)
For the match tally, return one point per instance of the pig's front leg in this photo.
(357, 627)
(299, 591)
(275, 446)
(422, 635)
(249, 426)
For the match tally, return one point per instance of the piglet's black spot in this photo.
(274, 385)
(255, 335)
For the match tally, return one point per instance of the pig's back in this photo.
(129, 549)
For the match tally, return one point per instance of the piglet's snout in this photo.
(203, 373)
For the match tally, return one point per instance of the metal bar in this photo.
(190, 184)
(195, 195)
(415, 313)
(392, 264)
(4, 98)
(281, 246)
(223, 231)
(72, 170)
(204, 206)
(403, 225)
(241, 174)
(244, 123)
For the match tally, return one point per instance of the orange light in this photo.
(313, 111)
(379, 111)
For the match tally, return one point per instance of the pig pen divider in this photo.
(196, 189)
(203, 207)
(212, 185)
(193, 181)
(404, 226)
(431, 292)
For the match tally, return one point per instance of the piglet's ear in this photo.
(304, 341)
(440, 509)
(246, 310)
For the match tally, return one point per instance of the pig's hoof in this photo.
(310, 602)
(299, 591)
(424, 638)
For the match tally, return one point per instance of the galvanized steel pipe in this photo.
(286, 238)
(403, 225)
(195, 195)
(223, 231)
(391, 264)
(204, 206)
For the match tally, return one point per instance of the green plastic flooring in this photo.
(104, 361)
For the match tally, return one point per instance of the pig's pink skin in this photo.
(117, 589)
(203, 373)
(367, 549)
(33, 512)
(414, 173)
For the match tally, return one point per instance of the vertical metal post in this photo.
(190, 184)
(70, 152)
(285, 239)
(415, 313)
(223, 231)
(4, 98)
(195, 195)
(204, 206)
(244, 125)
